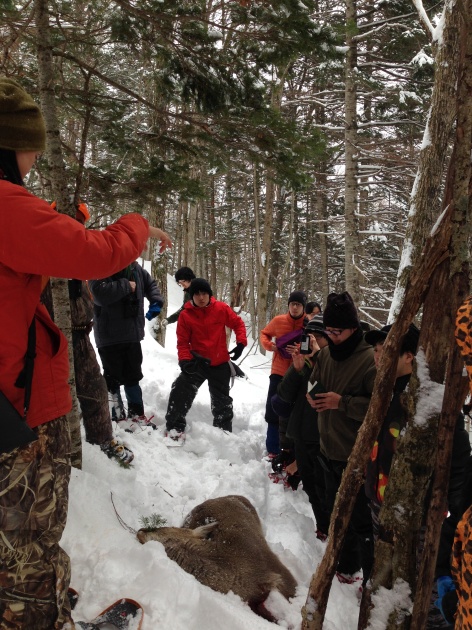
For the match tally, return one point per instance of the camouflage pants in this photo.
(34, 570)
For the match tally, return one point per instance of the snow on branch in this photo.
(424, 17)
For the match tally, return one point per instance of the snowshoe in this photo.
(278, 477)
(347, 578)
(292, 481)
(281, 461)
(125, 614)
(140, 423)
(174, 438)
(115, 449)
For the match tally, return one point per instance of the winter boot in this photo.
(119, 451)
(117, 410)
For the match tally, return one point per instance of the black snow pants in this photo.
(185, 388)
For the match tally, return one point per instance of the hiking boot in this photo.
(119, 451)
(139, 423)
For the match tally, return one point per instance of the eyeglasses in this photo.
(335, 331)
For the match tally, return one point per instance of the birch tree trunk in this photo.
(60, 292)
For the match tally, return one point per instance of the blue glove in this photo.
(236, 352)
(154, 310)
(444, 585)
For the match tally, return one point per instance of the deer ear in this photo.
(204, 531)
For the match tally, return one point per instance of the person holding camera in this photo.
(347, 372)
(278, 336)
(118, 326)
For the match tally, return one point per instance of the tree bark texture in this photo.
(351, 235)
(60, 191)
(425, 196)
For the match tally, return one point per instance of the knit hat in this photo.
(340, 311)
(409, 343)
(199, 284)
(298, 296)
(184, 273)
(21, 122)
(315, 325)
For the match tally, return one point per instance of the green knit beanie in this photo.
(21, 122)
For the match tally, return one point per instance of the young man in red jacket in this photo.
(203, 355)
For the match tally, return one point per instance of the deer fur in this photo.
(222, 544)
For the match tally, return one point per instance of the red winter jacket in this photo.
(278, 326)
(202, 329)
(36, 241)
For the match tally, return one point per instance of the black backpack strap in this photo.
(25, 377)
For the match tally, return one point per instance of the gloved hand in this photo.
(164, 323)
(154, 310)
(236, 352)
(189, 366)
(446, 597)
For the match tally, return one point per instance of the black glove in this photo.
(189, 366)
(236, 352)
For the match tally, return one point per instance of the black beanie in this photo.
(298, 296)
(340, 311)
(199, 284)
(184, 273)
(409, 342)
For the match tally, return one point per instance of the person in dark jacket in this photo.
(346, 370)
(90, 385)
(203, 355)
(302, 427)
(183, 277)
(118, 327)
(378, 467)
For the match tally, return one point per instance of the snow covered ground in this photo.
(108, 562)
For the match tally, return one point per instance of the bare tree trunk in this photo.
(425, 197)
(350, 148)
(455, 276)
(60, 191)
(265, 253)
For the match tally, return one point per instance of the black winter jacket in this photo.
(119, 312)
(303, 421)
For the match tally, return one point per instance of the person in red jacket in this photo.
(280, 327)
(203, 355)
(37, 242)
